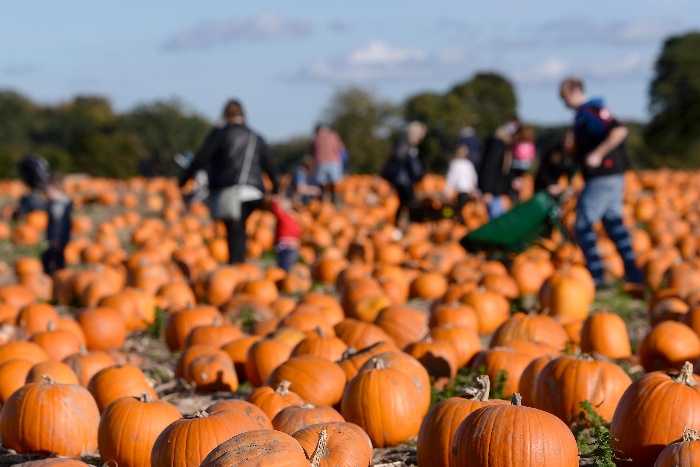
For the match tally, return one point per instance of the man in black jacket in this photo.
(234, 155)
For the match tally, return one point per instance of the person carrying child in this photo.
(461, 178)
(287, 234)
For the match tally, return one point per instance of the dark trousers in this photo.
(286, 257)
(236, 235)
(407, 200)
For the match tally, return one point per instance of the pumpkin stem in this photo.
(348, 353)
(47, 379)
(83, 349)
(321, 452)
(216, 321)
(51, 327)
(378, 363)
(320, 332)
(283, 388)
(690, 435)
(685, 376)
(202, 414)
(307, 405)
(479, 394)
(146, 397)
(517, 399)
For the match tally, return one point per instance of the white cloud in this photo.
(377, 61)
(261, 28)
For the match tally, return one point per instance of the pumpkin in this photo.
(86, 364)
(50, 417)
(442, 421)
(118, 381)
(13, 375)
(315, 379)
(668, 345)
(503, 435)
(437, 356)
(528, 380)
(187, 441)
(536, 328)
(353, 359)
(57, 343)
(59, 372)
(376, 399)
(296, 417)
(359, 334)
(682, 452)
(36, 317)
(212, 372)
(567, 381)
(336, 444)
(329, 347)
(27, 350)
(492, 308)
(243, 409)
(263, 357)
(180, 323)
(129, 427)
(404, 325)
(454, 314)
(272, 400)
(464, 341)
(503, 364)
(257, 447)
(606, 334)
(653, 411)
(238, 350)
(105, 328)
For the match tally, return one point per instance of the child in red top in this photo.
(287, 235)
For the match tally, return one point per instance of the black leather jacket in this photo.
(222, 155)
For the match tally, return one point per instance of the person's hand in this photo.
(594, 159)
(554, 190)
(487, 198)
(517, 183)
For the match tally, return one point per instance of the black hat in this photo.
(34, 171)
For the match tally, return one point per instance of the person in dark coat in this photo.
(224, 155)
(496, 176)
(404, 167)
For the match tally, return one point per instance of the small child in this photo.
(288, 234)
(523, 150)
(59, 207)
(461, 177)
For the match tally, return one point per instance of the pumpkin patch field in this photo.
(379, 347)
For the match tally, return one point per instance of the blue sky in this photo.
(284, 59)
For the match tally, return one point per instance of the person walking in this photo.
(404, 167)
(327, 150)
(235, 158)
(600, 152)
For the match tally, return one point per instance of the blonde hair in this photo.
(416, 130)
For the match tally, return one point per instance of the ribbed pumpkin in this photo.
(653, 411)
(353, 359)
(338, 444)
(684, 452)
(315, 379)
(437, 356)
(465, 341)
(505, 435)
(528, 380)
(360, 335)
(404, 325)
(377, 399)
(272, 400)
(491, 308)
(296, 417)
(257, 447)
(216, 334)
(26, 350)
(50, 417)
(187, 441)
(213, 372)
(442, 421)
(105, 328)
(59, 372)
(180, 323)
(329, 347)
(129, 427)
(238, 351)
(567, 381)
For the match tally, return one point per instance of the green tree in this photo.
(491, 99)
(365, 124)
(165, 128)
(674, 131)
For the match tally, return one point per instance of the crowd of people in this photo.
(234, 159)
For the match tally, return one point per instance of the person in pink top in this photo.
(287, 234)
(327, 149)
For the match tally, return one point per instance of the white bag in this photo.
(225, 203)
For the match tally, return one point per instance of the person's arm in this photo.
(268, 164)
(201, 159)
(615, 138)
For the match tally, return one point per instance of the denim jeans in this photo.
(496, 207)
(601, 200)
(286, 257)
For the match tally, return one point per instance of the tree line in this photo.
(87, 135)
